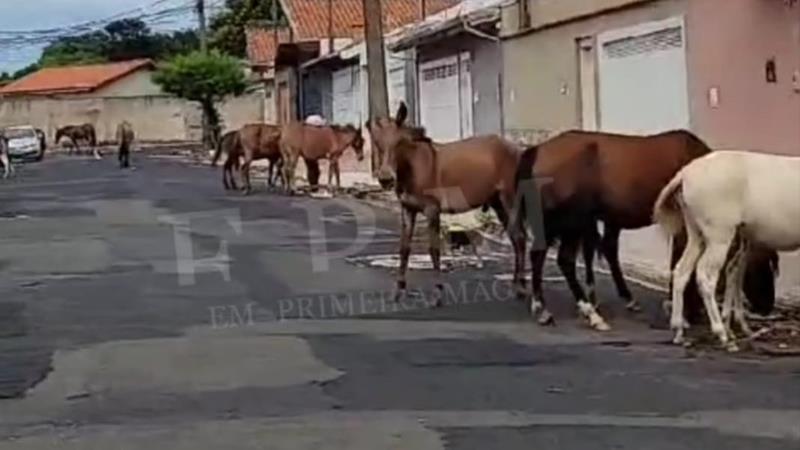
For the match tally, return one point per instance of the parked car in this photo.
(25, 142)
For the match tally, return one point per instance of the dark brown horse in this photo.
(42, 143)
(444, 178)
(125, 137)
(312, 143)
(79, 133)
(584, 177)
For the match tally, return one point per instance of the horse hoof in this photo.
(600, 325)
(732, 347)
(546, 319)
(633, 306)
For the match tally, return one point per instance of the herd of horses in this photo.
(282, 147)
(560, 192)
(72, 137)
(726, 212)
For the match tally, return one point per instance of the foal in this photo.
(444, 178)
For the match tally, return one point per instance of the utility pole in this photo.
(201, 29)
(330, 26)
(209, 134)
(376, 60)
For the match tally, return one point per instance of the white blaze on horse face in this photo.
(321, 255)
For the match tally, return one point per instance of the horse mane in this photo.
(418, 134)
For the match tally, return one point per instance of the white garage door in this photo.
(396, 66)
(445, 96)
(643, 81)
(347, 96)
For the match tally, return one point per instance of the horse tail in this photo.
(667, 211)
(218, 151)
(524, 175)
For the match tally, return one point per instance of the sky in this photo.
(16, 15)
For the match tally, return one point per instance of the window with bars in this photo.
(667, 39)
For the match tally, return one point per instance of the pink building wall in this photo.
(729, 44)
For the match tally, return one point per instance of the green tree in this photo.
(27, 70)
(229, 26)
(120, 40)
(206, 78)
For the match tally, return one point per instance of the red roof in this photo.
(309, 18)
(262, 46)
(73, 79)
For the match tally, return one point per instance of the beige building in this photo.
(730, 73)
(106, 94)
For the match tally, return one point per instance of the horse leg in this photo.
(289, 166)
(279, 170)
(245, 173)
(408, 219)
(226, 169)
(433, 215)
(538, 306)
(331, 165)
(337, 171)
(516, 233)
(681, 275)
(610, 248)
(567, 257)
(589, 246)
(734, 301)
(708, 271)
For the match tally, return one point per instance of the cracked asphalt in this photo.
(149, 309)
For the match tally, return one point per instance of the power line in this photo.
(159, 13)
(44, 36)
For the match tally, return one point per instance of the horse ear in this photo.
(402, 114)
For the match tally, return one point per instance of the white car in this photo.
(24, 142)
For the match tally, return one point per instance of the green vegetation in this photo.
(206, 78)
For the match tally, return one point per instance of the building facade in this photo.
(731, 74)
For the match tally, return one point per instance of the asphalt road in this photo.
(148, 309)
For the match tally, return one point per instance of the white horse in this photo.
(5, 160)
(728, 201)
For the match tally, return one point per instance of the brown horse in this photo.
(588, 177)
(445, 178)
(228, 144)
(312, 143)
(259, 141)
(125, 137)
(77, 134)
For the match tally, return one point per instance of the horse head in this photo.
(358, 143)
(388, 136)
(60, 133)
